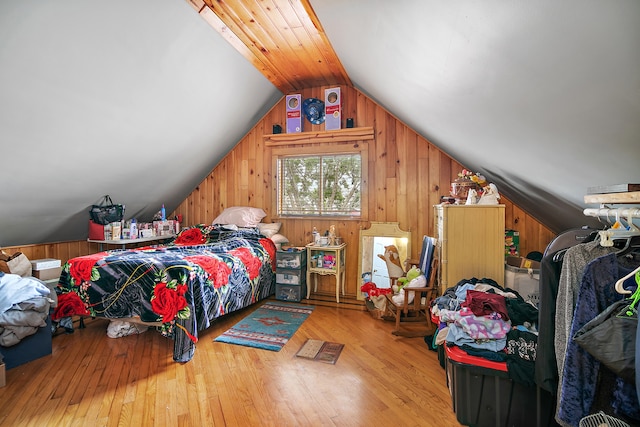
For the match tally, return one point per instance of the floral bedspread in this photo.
(204, 273)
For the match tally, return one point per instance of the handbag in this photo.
(106, 212)
(610, 338)
(18, 263)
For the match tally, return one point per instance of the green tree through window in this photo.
(320, 184)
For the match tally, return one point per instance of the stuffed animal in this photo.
(392, 258)
(402, 281)
(373, 293)
(418, 282)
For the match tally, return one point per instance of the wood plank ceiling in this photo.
(282, 38)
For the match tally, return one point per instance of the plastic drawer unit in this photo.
(290, 292)
(291, 275)
(291, 259)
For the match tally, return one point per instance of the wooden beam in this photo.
(342, 135)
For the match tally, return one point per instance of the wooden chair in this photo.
(416, 312)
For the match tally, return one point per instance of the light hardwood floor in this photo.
(93, 380)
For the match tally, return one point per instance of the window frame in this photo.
(356, 148)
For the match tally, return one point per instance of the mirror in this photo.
(372, 243)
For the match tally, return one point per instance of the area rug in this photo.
(320, 351)
(269, 327)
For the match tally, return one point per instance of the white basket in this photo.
(601, 420)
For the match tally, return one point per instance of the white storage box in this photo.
(47, 273)
(45, 263)
(526, 281)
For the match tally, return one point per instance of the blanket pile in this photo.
(24, 307)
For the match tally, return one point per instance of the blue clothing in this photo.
(579, 382)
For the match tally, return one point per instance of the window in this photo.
(319, 184)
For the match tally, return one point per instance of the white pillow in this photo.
(279, 238)
(242, 216)
(269, 229)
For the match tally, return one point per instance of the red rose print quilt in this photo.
(204, 273)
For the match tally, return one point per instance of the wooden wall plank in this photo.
(407, 175)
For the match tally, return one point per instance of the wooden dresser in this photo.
(470, 243)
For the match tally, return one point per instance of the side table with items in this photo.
(291, 277)
(124, 242)
(326, 260)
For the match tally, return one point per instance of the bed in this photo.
(206, 272)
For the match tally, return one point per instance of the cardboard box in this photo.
(147, 232)
(332, 108)
(521, 262)
(511, 243)
(47, 273)
(116, 231)
(45, 263)
(165, 228)
(294, 113)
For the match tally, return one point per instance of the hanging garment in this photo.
(582, 374)
(521, 352)
(611, 339)
(546, 373)
(575, 260)
(546, 366)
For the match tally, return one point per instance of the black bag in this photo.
(106, 212)
(610, 337)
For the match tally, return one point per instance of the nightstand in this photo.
(335, 266)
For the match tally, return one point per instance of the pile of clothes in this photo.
(24, 307)
(486, 320)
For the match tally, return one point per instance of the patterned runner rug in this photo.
(269, 327)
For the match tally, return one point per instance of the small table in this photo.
(337, 270)
(124, 242)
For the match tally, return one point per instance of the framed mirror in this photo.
(372, 243)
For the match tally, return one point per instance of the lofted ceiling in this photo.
(542, 97)
(283, 39)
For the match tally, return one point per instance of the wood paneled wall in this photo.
(407, 175)
(59, 250)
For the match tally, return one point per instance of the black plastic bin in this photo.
(483, 395)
